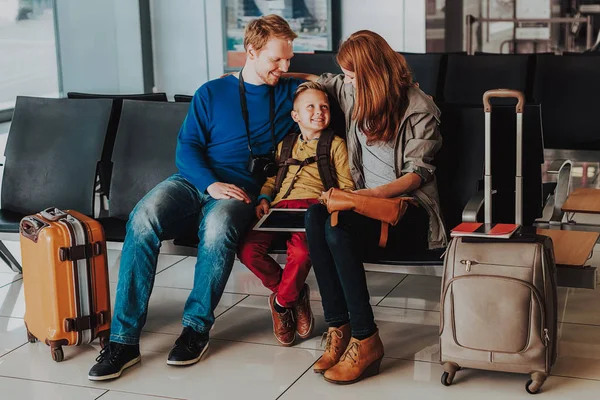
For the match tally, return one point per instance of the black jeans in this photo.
(338, 252)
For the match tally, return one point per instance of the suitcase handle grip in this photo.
(31, 227)
(507, 93)
(53, 214)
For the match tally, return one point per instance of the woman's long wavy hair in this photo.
(382, 81)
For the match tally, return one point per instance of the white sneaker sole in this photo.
(116, 374)
(189, 362)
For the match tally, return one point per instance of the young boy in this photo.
(299, 188)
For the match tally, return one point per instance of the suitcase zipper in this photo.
(546, 337)
(468, 264)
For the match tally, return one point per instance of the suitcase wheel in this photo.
(30, 337)
(447, 379)
(57, 354)
(532, 387)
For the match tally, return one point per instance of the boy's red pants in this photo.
(287, 282)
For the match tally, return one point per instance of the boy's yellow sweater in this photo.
(308, 183)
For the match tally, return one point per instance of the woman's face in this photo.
(349, 77)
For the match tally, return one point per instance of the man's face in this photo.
(311, 111)
(272, 60)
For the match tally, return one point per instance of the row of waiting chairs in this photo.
(566, 86)
(52, 160)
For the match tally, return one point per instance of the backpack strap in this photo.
(287, 146)
(324, 164)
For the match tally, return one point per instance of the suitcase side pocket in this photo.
(493, 313)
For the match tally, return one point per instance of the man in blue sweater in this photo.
(225, 151)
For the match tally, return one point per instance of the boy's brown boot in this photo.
(305, 321)
(284, 326)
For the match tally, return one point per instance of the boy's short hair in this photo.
(308, 86)
(259, 31)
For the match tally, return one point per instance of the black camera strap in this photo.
(246, 117)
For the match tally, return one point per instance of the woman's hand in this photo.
(262, 208)
(373, 192)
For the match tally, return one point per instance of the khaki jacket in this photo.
(416, 144)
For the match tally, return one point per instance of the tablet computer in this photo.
(282, 220)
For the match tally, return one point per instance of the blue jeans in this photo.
(169, 210)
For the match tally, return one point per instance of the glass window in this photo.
(27, 50)
(310, 19)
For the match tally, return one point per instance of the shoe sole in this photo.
(371, 370)
(189, 362)
(116, 374)
(282, 343)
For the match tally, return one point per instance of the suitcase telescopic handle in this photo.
(506, 93)
(31, 227)
(53, 214)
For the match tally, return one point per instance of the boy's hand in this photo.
(262, 208)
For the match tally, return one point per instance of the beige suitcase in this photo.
(498, 302)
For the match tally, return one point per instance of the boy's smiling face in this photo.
(311, 111)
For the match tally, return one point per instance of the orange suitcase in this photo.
(65, 276)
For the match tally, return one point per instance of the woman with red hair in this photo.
(392, 136)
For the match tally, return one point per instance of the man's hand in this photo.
(222, 191)
(262, 208)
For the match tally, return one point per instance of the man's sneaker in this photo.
(189, 348)
(305, 321)
(284, 326)
(113, 359)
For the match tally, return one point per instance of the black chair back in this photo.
(469, 77)
(568, 88)
(105, 167)
(52, 154)
(144, 152)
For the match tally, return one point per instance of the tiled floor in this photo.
(244, 360)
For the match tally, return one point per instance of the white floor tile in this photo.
(250, 321)
(113, 395)
(579, 305)
(8, 277)
(166, 308)
(12, 300)
(409, 334)
(229, 370)
(25, 389)
(12, 334)
(416, 292)
(413, 379)
(578, 351)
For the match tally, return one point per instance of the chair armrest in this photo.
(472, 208)
(553, 206)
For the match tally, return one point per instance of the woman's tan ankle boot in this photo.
(361, 359)
(337, 340)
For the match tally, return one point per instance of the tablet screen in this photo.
(282, 219)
